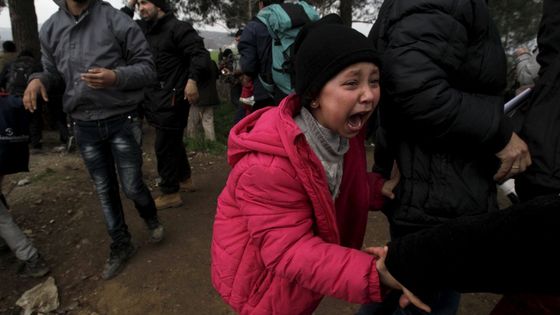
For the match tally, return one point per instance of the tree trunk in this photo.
(24, 26)
(346, 12)
(250, 9)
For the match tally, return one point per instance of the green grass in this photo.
(223, 121)
(214, 55)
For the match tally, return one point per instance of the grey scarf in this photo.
(328, 145)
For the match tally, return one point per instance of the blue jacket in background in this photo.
(255, 50)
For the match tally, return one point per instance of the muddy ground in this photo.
(60, 212)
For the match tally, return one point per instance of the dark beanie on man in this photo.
(323, 49)
(162, 4)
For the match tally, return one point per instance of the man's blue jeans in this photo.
(108, 147)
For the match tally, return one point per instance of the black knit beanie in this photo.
(323, 49)
(162, 4)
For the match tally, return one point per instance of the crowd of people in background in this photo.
(290, 222)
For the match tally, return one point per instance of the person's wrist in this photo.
(115, 77)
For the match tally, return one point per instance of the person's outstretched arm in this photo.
(512, 250)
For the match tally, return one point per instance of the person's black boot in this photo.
(156, 230)
(117, 260)
(34, 267)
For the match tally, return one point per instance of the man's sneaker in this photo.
(168, 201)
(156, 230)
(35, 267)
(187, 185)
(117, 260)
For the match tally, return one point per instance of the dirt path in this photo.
(59, 210)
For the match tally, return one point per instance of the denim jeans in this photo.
(108, 147)
(445, 302)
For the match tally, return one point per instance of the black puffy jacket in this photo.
(179, 55)
(541, 126)
(441, 114)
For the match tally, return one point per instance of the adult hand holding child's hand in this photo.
(387, 279)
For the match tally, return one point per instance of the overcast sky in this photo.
(45, 8)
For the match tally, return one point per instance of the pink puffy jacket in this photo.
(276, 246)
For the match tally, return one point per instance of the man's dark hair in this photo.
(9, 46)
(269, 2)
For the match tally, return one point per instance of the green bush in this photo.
(214, 55)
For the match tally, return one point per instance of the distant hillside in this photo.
(212, 40)
(215, 40)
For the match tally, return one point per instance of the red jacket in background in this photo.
(276, 246)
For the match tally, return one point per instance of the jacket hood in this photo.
(258, 132)
(62, 3)
(273, 131)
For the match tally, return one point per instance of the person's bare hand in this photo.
(387, 279)
(191, 92)
(132, 3)
(514, 159)
(99, 78)
(30, 95)
(390, 184)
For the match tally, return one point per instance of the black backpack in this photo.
(14, 120)
(19, 73)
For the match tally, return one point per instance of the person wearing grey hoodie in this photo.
(104, 60)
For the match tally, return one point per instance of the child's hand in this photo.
(387, 279)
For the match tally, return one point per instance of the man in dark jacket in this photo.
(105, 62)
(541, 130)
(256, 56)
(182, 64)
(441, 115)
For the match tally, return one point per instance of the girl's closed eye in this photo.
(351, 83)
(374, 82)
